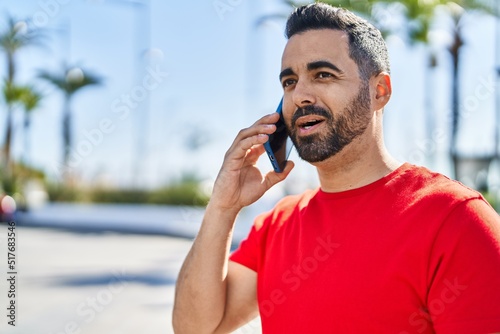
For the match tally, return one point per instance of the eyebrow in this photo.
(286, 72)
(323, 63)
(311, 67)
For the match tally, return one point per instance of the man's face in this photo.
(326, 104)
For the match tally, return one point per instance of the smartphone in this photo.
(279, 145)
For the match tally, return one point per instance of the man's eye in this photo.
(324, 75)
(288, 82)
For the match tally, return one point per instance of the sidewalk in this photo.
(177, 221)
(94, 283)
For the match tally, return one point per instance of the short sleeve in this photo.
(464, 271)
(250, 251)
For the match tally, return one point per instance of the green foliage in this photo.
(184, 192)
(418, 14)
(27, 96)
(26, 172)
(119, 196)
(17, 35)
(11, 93)
(61, 193)
(30, 98)
(13, 183)
(9, 185)
(14, 37)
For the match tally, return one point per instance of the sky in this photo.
(177, 90)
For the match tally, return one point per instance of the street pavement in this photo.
(74, 282)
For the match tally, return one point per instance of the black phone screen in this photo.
(280, 144)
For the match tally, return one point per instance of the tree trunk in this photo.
(11, 68)
(27, 146)
(455, 98)
(8, 123)
(7, 141)
(66, 135)
(429, 109)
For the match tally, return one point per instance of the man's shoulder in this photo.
(430, 183)
(285, 208)
(421, 185)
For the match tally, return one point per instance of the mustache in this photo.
(310, 110)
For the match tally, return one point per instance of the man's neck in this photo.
(360, 163)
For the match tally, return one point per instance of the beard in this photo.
(342, 128)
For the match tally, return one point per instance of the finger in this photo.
(273, 177)
(268, 119)
(265, 125)
(254, 153)
(256, 134)
(248, 146)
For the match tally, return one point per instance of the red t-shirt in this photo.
(413, 252)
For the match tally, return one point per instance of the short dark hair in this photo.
(366, 45)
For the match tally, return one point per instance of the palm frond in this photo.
(70, 79)
(17, 35)
(30, 98)
(11, 93)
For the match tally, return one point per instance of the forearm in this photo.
(200, 296)
(202, 287)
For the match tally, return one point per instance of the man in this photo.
(380, 247)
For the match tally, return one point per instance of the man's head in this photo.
(366, 46)
(335, 76)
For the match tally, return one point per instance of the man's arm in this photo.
(208, 281)
(212, 294)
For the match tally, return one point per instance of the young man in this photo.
(380, 247)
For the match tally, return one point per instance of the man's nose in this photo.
(303, 94)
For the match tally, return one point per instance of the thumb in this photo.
(273, 177)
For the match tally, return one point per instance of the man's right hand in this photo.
(240, 183)
(214, 295)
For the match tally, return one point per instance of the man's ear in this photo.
(383, 90)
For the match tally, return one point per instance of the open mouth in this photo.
(308, 123)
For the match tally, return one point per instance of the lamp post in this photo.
(497, 98)
(142, 45)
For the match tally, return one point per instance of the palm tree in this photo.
(15, 37)
(457, 13)
(30, 100)
(419, 16)
(69, 81)
(12, 95)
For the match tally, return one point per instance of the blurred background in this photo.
(115, 116)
